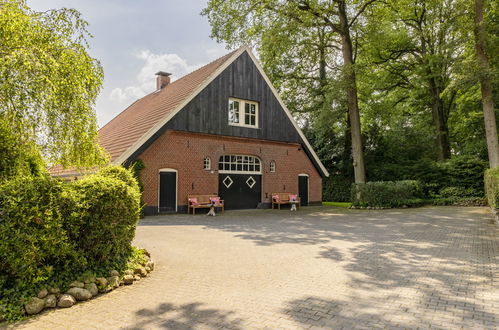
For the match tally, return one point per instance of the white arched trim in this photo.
(176, 185)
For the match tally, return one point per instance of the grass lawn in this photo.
(338, 204)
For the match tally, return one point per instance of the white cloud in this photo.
(146, 80)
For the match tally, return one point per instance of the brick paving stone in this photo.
(317, 268)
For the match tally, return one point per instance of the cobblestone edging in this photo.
(86, 288)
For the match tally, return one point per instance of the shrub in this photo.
(337, 188)
(34, 243)
(103, 213)
(52, 232)
(467, 173)
(492, 187)
(387, 193)
(120, 173)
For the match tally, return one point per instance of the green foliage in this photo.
(49, 82)
(119, 173)
(103, 213)
(18, 158)
(492, 187)
(54, 232)
(337, 188)
(34, 242)
(387, 194)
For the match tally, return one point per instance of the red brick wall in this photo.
(185, 152)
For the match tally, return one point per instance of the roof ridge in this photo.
(175, 81)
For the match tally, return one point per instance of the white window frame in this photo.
(207, 163)
(239, 164)
(242, 112)
(272, 166)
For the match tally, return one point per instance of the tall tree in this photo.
(417, 43)
(486, 83)
(49, 82)
(238, 22)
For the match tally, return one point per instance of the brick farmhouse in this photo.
(221, 129)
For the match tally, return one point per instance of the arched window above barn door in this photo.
(239, 164)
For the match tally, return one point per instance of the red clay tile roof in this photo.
(129, 126)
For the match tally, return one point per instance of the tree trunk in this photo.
(486, 85)
(352, 101)
(440, 121)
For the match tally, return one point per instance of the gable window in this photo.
(207, 163)
(243, 113)
(272, 166)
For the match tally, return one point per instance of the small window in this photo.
(272, 166)
(243, 113)
(207, 163)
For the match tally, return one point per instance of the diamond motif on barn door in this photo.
(250, 182)
(227, 181)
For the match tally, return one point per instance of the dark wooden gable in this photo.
(208, 111)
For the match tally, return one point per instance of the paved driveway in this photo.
(322, 267)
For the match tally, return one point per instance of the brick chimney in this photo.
(162, 79)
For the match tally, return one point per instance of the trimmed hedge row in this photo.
(492, 187)
(459, 177)
(53, 231)
(387, 194)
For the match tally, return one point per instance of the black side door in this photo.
(303, 189)
(240, 191)
(167, 192)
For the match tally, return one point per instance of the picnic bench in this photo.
(203, 202)
(285, 198)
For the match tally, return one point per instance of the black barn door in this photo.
(240, 191)
(303, 189)
(167, 191)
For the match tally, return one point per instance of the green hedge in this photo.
(34, 242)
(492, 187)
(337, 188)
(104, 210)
(52, 232)
(387, 194)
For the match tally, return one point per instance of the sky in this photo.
(135, 39)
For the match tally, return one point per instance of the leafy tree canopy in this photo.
(49, 83)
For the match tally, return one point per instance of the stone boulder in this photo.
(92, 288)
(136, 277)
(89, 279)
(128, 279)
(50, 301)
(77, 284)
(66, 301)
(140, 271)
(113, 281)
(42, 294)
(79, 293)
(54, 290)
(114, 273)
(128, 272)
(101, 284)
(34, 306)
